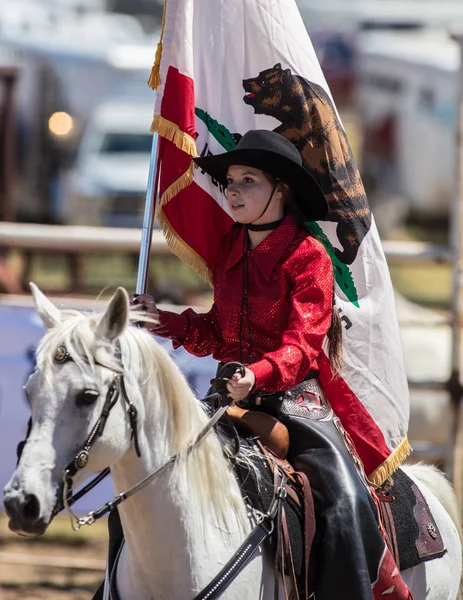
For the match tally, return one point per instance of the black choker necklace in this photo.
(265, 226)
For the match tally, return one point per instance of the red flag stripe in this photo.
(368, 439)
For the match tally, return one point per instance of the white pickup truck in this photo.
(108, 184)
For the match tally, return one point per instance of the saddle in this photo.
(409, 527)
(270, 431)
(294, 531)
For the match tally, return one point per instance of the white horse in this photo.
(181, 529)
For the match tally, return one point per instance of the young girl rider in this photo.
(273, 311)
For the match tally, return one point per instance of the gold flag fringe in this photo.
(155, 78)
(186, 143)
(177, 186)
(174, 134)
(185, 253)
(178, 246)
(391, 464)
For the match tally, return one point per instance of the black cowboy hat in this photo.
(271, 152)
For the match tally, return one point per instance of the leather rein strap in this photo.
(93, 516)
(242, 556)
(246, 551)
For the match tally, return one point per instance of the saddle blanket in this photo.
(412, 531)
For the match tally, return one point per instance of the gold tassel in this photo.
(174, 134)
(155, 77)
(174, 241)
(391, 464)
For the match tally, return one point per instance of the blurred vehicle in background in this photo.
(361, 15)
(67, 66)
(407, 94)
(336, 51)
(108, 183)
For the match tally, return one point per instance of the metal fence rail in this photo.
(55, 562)
(76, 239)
(85, 240)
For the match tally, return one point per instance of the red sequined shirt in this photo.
(279, 325)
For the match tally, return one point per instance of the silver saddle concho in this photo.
(306, 399)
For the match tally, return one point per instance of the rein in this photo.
(93, 516)
(264, 528)
(81, 459)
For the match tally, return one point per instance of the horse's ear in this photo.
(116, 316)
(46, 310)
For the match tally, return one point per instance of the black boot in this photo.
(350, 546)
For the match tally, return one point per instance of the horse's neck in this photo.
(154, 532)
(169, 550)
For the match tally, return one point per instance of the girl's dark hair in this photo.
(335, 339)
(334, 333)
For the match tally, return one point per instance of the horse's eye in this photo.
(86, 397)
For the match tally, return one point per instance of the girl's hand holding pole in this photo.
(144, 303)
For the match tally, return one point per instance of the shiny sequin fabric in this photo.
(275, 320)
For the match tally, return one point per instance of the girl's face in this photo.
(247, 194)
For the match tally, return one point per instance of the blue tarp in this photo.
(20, 330)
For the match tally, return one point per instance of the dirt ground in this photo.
(61, 565)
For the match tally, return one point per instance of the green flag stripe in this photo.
(220, 132)
(342, 273)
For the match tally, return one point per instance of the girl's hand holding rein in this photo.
(239, 387)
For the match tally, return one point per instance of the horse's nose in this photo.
(25, 509)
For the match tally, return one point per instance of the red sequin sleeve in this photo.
(199, 333)
(310, 272)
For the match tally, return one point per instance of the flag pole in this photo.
(148, 219)
(152, 187)
(455, 383)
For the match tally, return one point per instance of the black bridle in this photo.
(115, 391)
(80, 460)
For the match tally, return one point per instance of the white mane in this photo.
(203, 476)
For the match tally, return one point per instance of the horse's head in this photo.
(78, 361)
